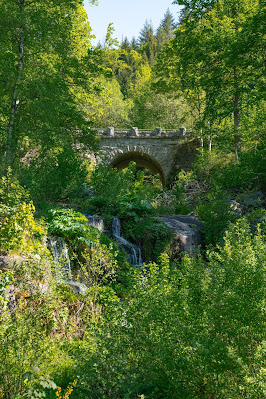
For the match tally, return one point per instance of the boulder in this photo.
(186, 231)
(254, 200)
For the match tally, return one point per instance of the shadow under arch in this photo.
(142, 160)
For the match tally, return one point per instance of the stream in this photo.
(62, 264)
(133, 251)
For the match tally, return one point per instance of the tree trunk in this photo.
(15, 99)
(201, 142)
(210, 143)
(201, 133)
(237, 132)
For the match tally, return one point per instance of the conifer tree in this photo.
(147, 42)
(134, 43)
(165, 30)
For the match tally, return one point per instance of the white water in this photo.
(62, 264)
(133, 251)
(96, 221)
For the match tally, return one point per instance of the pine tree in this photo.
(125, 44)
(165, 30)
(134, 44)
(148, 42)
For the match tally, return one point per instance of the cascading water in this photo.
(132, 250)
(62, 263)
(96, 221)
(61, 258)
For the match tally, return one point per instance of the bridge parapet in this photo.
(163, 151)
(142, 133)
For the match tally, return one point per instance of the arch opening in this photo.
(142, 161)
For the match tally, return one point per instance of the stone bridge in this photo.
(163, 152)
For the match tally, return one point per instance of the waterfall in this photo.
(61, 257)
(133, 251)
(116, 227)
(96, 221)
(59, 250)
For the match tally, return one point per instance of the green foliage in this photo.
(248, 173)
(179, 191)
(190, 333)
(121, 193)
(153, 235)
(18, 229)
(134, 209)
(22, 343)
(209, 163)
(192, 330)
(106, 107)
(38, 384)
(151, 110)
(73, 227)
(210, 61)
(216, 213)
(57, 176)
(42, 81)
(98, 266)
(11, 192)
(6, 278)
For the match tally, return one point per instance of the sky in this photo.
(128, 16)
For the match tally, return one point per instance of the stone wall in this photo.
(162, 151)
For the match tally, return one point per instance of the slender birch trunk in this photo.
(201, 140)
(15, 99)
(201, 133)
(210, 143)
(209, 138)
(237, 126)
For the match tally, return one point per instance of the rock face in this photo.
(186, 230)
(9, 261)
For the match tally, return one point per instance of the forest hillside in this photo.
(114, 282)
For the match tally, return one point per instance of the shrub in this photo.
(248, 173)
(153, 235)
(196, 332)
(98, 266)
(116, 185)
(18, 228)
(54, 176)
(73, 227)
(215, 211)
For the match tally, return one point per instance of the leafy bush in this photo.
(116, 185)
(73, 227)
(215, 211)
(153, 235)
(248, 173)
(208, 163)
(98, 266)
(54, 176)
(192, 333)
(134, 208)
(222, 170)
(102, 206)
(179, 191)
(18, 228)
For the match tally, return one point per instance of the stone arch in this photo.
(142, 160)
